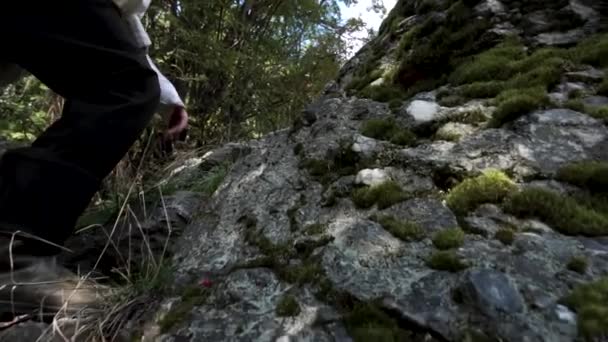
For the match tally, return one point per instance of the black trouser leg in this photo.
(82, 50)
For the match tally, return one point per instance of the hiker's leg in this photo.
(82, 50)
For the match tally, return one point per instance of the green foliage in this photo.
(387, 129)
(603, 87)
(206, 182)
(406, 231)
(590, 301)
(446, 261)
(451, 101)
(384, 195)
(565, 214)
(470, 117)
(491, 65)
(515, 103)
(592, 175)
(440, 43)
(382, 93)
(448, 238)
(480, 90)
(315, 229)
(490, 187)
(288, 306)
(505, 235)
(593, 50)
(367, 322)
(576, 105)
(578, 264)
(600, 113)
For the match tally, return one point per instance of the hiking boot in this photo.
(39, 287)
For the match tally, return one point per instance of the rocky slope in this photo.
(451, 185)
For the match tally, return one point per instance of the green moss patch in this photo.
(471, 117)
(490, 187)
(506, 236)
(315, 229)
(578, 264)
(602, 89)
(590, 301)
(591, 175)
(341, 162)
(593, 51)
(384, 195)
(368, 322)
(406, 231)
(449, 238)
(439, 43)
(288, 306)
(514, 103)
(389, 130)
(446, 261)
(564, 214)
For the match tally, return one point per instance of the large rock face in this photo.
(369, 219)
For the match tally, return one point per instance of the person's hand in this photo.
(177, 124)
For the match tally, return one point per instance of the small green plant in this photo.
(482, 90)
(512, 107)
(446, 261)
(449, 238)
(575, 94)
(600, 113)
(382, 93)
(315, 229)
(593, 50)
(471, 117)
(591, 175)
(288, 306)
(406, 231)
(384, 195)
(505, 235)
(564, 214)
(603, 87)
(578, 264)
(368, 322)
(387, 129)
(590, 301)
(452, 101)
(490, 187)
(576, 105)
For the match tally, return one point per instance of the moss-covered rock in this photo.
(367, 322)
(384, 195)
(449, 238)
(446, 261)
(406, 231)
(515, 103)
(592, 175)
(490, 187)
(565, 214)
(389, 130)
(191, 297)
